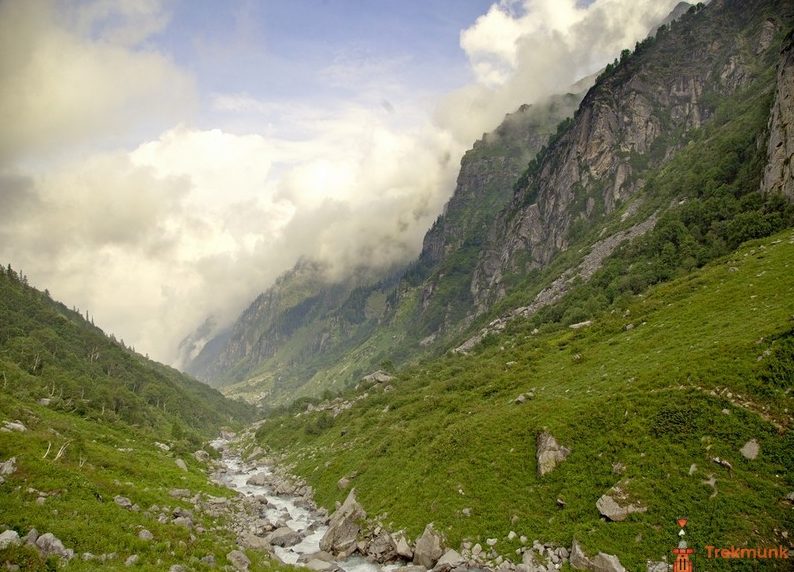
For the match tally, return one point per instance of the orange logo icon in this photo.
(682, 552)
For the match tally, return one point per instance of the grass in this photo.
(650, 396)
(100, 462)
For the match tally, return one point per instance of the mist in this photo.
(118, 201)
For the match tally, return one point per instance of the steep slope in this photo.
(306, 323)
(661, 393)
(51, 353)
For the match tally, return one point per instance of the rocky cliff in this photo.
(779, 172)
(634, 119)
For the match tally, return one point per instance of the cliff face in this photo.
(635, 118)
(779, 172)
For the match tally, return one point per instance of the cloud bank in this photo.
(154, 236)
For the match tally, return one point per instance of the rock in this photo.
(578, 559)
(162, 446)
(185, 521)
(9, 538)
(31, 537)
(179, 493)
(580, 325)
(379, 376)
(520, 399)
(343, 528)
(615, 504)
(201, 456)
(549, 453)
(466, 512)
(209, 560)
(132, 560)
(283, 536)
(123, 502)
(248, 540)
(750, 450)
(402, 547)
(177, 568)
(450, 559)
(657, 566)
(428, 548)
(145, 535)
(16, 425)
(49, 545)
(238, 560)
(320, 565)
(491, 541)
(607, 563)
(8, 467)
(343, 483)
(511, 535)
(181, 464)
(257, 480)
(382, 547)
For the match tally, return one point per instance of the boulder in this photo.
(9, 538)
(615, 503)
(16, 425)
(343, 528)
(179, 493)
(257, 480)
(607, 563)
(657, 566)
(379, 376)
(132, 560)
(145, 535)
(428, 548)
(50, 545)
(450, 559)
(248, 540)
(382, 547)
(181, 464)
(750, 450)
(321, 565)
(343, 483)
(283, 536)
(123, 502)
(403, 548)
(578, 559)
(201, 456)
(549, 453)
(8, 467)
(238, 560)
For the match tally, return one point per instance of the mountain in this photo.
(103, 452)
(305, 322)
(53, 355)
(544, 202)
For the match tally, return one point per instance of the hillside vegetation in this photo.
(658, 385)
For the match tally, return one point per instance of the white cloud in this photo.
(60, 88)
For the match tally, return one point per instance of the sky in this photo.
(163, 161)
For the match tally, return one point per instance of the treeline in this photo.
(52, 354)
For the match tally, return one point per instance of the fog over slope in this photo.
(117, 196)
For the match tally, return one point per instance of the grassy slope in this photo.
(650, 397)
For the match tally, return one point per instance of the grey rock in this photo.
(257, 480)
(185, 521)
(779, 171)
(8, 467)
(177, 568)
(9, 538)
(31, 537)
(343, 483)
(238, 560)
(181, 464)
(321, 565)
(209, 560)
(179, 493)
(402, 547)
(549, 453)
(123, 502)
(344, 526)
(145, 535)
(50, 545)
(283, 536)
(750, 450)
(382, 548)
(201, 456)
(132, 560)
(249, 540)
(379, 376)
(607, 563)
(16, 425)
(450, 559)
(615, 503)
(578, 559)
(429, 547)
(657, 566)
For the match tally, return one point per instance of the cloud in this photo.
(521, 51)
(188, 222)
(70, 77)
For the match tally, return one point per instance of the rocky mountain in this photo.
(559, 190)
